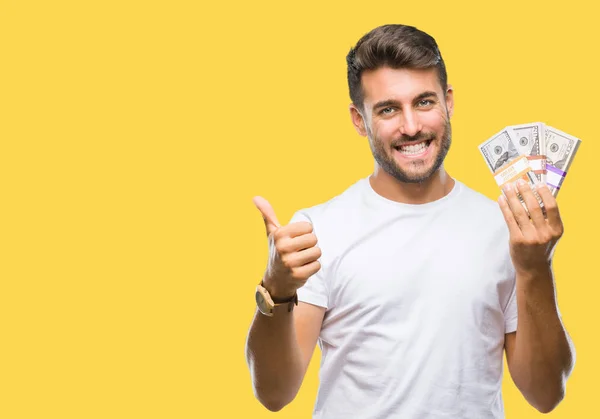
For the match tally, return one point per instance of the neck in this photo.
(436, 187)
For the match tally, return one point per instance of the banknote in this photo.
(530, 142)
(506, 163)
(560, 152)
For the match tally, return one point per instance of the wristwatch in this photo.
(266, 304)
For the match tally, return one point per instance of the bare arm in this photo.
(279, 347)
(278, 352)
(540, 355)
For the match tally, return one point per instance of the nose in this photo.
(410, 124)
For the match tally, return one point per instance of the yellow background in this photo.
(134, 135)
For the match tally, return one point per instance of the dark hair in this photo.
(394, 46)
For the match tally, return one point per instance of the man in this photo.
(411, 283)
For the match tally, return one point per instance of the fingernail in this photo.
(521, 182)
(506, 187)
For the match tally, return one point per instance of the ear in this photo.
(450, 100)
(358, 120)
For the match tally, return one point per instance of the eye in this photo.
(425, 103)
(386, 111)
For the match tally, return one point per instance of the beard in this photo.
(417, 172)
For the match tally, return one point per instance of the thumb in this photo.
(268, 214)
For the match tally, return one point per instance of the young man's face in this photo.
(407, 120)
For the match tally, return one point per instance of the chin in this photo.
(418, 177)
(407, 174)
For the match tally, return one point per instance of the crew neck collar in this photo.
(379, 199)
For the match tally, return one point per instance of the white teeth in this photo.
(413, 149)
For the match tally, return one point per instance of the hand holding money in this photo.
(533, 236)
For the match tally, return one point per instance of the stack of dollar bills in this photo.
(534, 152)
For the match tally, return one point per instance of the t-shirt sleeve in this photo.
(314, 291)
(510, 311)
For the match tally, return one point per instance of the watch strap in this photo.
(290, 301)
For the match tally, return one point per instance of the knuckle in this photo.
(543, 188)
(300, 283)
(279, 234)
(308, 226)
(287, 261)
(313, 239)
(544, 238)
(317, 266)
(280, 247)
(297, 274)
(318, 252)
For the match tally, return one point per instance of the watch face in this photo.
(261, 302)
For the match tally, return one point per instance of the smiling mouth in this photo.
(413, 149)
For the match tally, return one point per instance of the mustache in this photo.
(421, 136)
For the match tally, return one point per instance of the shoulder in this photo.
(337, 221)
(332, 210)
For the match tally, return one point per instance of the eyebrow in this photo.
(391, 102)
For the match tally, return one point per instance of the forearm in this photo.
(274, 358)
(544, 353)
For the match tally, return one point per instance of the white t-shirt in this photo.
(418, 300)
